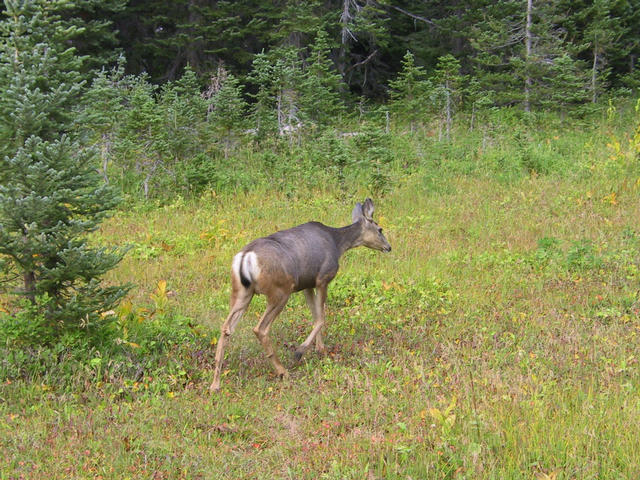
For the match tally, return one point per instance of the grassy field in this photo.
(499, 339)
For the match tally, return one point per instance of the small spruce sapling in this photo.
(410, 92)
(51, 194)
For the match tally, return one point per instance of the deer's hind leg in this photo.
(275, 304)
(315, 301)
(240, 300)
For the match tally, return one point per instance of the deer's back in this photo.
(299, 257)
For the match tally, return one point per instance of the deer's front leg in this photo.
(315, 301)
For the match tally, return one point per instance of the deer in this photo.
(303, 258)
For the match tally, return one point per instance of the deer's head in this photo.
(371, 236)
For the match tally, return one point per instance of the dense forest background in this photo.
(367, 39)
(180, 97)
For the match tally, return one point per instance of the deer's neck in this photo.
(348, 237)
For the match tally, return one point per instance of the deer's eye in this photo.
(379, 229)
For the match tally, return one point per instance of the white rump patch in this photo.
(245, 264)
(250, 266)
(235, 265)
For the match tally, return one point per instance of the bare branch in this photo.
(346, 18)
(366, 60)
(416, 17)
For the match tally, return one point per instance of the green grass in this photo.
(498, 340)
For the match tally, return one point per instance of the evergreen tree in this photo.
(288, 80)
(410, 92)
(97, 39)
(280, 79)
(511, 42)
(38, 96)
(605, 36)
(449, 89)
(602, 32)
(623, 55)
(51, 194)
(263, 112)
(227, 106)
(143, 145)
(104, 112)
(496, 39)
(477, 99)
(567, 86)
(516, 44)
(183, 110)
(322, 84)
(295, 22)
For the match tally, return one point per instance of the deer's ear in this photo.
(357, 213)
(367, 209)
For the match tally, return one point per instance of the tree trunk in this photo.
(145, 186)
(527, 78)
(448, 112)
(346, 17)
(30, 286)
(473, 116)
(104, 153)
(196, 45)
(594, 74)
(279, 112)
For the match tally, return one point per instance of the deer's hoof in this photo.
(297, 355)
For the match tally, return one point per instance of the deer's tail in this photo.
(245, 266)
